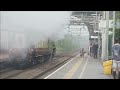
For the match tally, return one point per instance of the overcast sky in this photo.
(44, 21)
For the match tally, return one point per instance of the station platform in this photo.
(94, 70)
(80, 68)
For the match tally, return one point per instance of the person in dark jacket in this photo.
(95, 50)
(90, 49)
(53, 50)
(116, 57)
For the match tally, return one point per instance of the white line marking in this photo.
(83, 68)
(60, 67)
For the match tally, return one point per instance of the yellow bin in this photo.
(107, 67)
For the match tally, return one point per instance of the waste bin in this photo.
(107, 65)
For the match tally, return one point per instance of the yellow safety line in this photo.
(73, 69)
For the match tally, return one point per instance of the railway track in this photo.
(6, 70)
(14, 74)
(8, 73)
(54, 66)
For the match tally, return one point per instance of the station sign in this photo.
(94, 36)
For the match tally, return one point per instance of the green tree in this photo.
(117, 31)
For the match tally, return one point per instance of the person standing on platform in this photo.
(93, 50)
(90, 49)
(96, 50)
(83, 52)
(116, 57)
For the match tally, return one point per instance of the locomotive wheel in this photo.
(31, 60)
(45, 58)
(51, 57)
(34, 62)
(48, 57)
(42, 59)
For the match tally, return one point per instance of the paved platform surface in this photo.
(94, 70)
(80, 68)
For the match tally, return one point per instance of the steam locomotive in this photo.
(25, 50)
(33, 55)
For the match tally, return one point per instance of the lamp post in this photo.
(113, 27)
(80, 36)
(99, 39)
(107, 32)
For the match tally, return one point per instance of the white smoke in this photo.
(44, 23)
